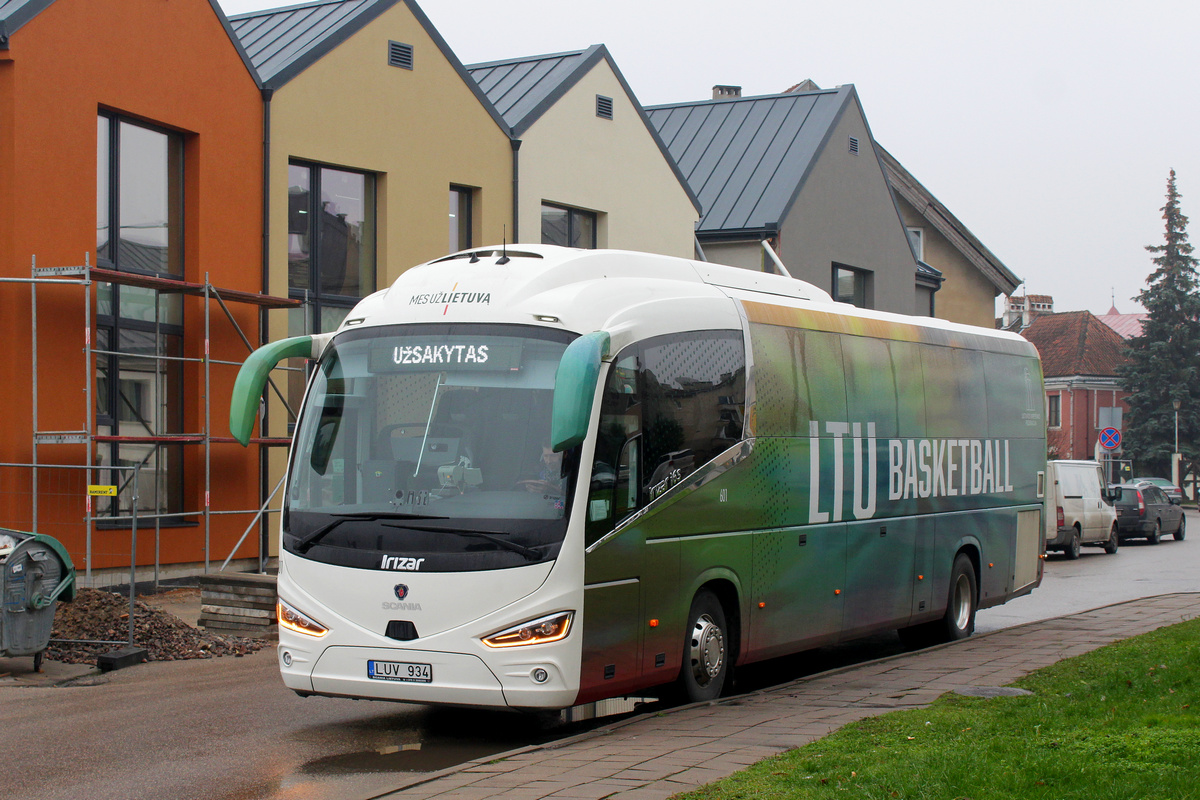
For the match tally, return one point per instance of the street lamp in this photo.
(1175, 458)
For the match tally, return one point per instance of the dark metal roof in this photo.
(938, 216)
(15, 13)
(282, 42)
(746, 159)
(522, 89)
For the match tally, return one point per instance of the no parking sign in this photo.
(1110, 438)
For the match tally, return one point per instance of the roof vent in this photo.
(604, 107)
(853, 145)
(400, 55)
(726, 92)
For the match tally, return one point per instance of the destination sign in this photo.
(456, 353)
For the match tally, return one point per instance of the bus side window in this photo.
(626, 496)
(620, 421)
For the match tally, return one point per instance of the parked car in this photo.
(1078, 509)
(1170, 489)
(1145, 511)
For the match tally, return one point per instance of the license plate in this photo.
(399, 671)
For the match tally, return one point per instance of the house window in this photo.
(569, 227)
(917, 237)
(461, 201)
(1054, 411)
(331, 243)
(139, 331)
(852, 286)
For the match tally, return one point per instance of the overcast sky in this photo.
(1047, 127)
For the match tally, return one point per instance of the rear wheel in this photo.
(705, 650)
(1114, 541)
(1071, 550)
(1156, 536)
(1179, 534)
(959, 622)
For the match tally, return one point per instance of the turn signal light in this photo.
(538, 631)
(297, 621)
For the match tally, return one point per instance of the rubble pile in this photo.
(100, 615)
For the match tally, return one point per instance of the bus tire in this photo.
(959, 622)
(706, 650)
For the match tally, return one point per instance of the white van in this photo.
(1079, 509)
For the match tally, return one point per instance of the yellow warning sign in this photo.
(102, 491)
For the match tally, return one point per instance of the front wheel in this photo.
(705, 650)
(1156, 536)
(1179, 534)
(1071, 551)
(1114, 541)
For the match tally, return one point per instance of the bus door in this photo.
(613, 565)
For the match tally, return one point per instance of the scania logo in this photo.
(401, 591)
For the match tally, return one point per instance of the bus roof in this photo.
(632, 296)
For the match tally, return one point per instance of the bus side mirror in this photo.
(252, 378)
(574, 388)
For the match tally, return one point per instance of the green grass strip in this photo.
(1118, 723)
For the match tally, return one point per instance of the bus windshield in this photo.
(431, 441)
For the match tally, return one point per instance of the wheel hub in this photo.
(707, 650)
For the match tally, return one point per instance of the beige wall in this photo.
(572, 157)
(845, 214)
(966, 295)
(418, 130)
(746, 255)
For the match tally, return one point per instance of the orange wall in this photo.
(170, 63)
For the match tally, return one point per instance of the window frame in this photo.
(864, 295)
(573, 216)
(462, 218)
(1054, 411)
(318, 305)
(112, 322)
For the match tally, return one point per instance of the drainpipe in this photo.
(264, 463)
(516, 196)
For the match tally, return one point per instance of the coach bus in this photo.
(537, 477)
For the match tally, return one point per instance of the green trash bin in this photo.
(35, 573)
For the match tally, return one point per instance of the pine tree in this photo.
(1164, 361)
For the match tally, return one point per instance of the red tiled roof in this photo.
(1076, 343)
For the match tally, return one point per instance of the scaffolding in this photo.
(86, 276)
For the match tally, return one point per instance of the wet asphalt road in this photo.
(227, 729)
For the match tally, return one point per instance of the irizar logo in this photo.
(402, 563)
(916, 468)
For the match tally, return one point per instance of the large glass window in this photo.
(672, 404)
(432, 441)
(331, 242)
(461, 220)
(139, 224)
(569, 227)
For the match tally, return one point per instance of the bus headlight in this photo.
(299, 622)
(538, 631)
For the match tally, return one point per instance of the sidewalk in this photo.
(657, 756)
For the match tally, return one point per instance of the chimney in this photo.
(726, 92)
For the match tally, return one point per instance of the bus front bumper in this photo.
(425, 676)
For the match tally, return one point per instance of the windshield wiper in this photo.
(312, 537)
(491, 536)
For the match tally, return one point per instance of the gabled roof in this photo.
(748, 158)
(1076, 343)
(1127, 325)
(283, 42)
(948, 225)
(523, 89)
(15, 13)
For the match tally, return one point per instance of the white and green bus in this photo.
(539, 477)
